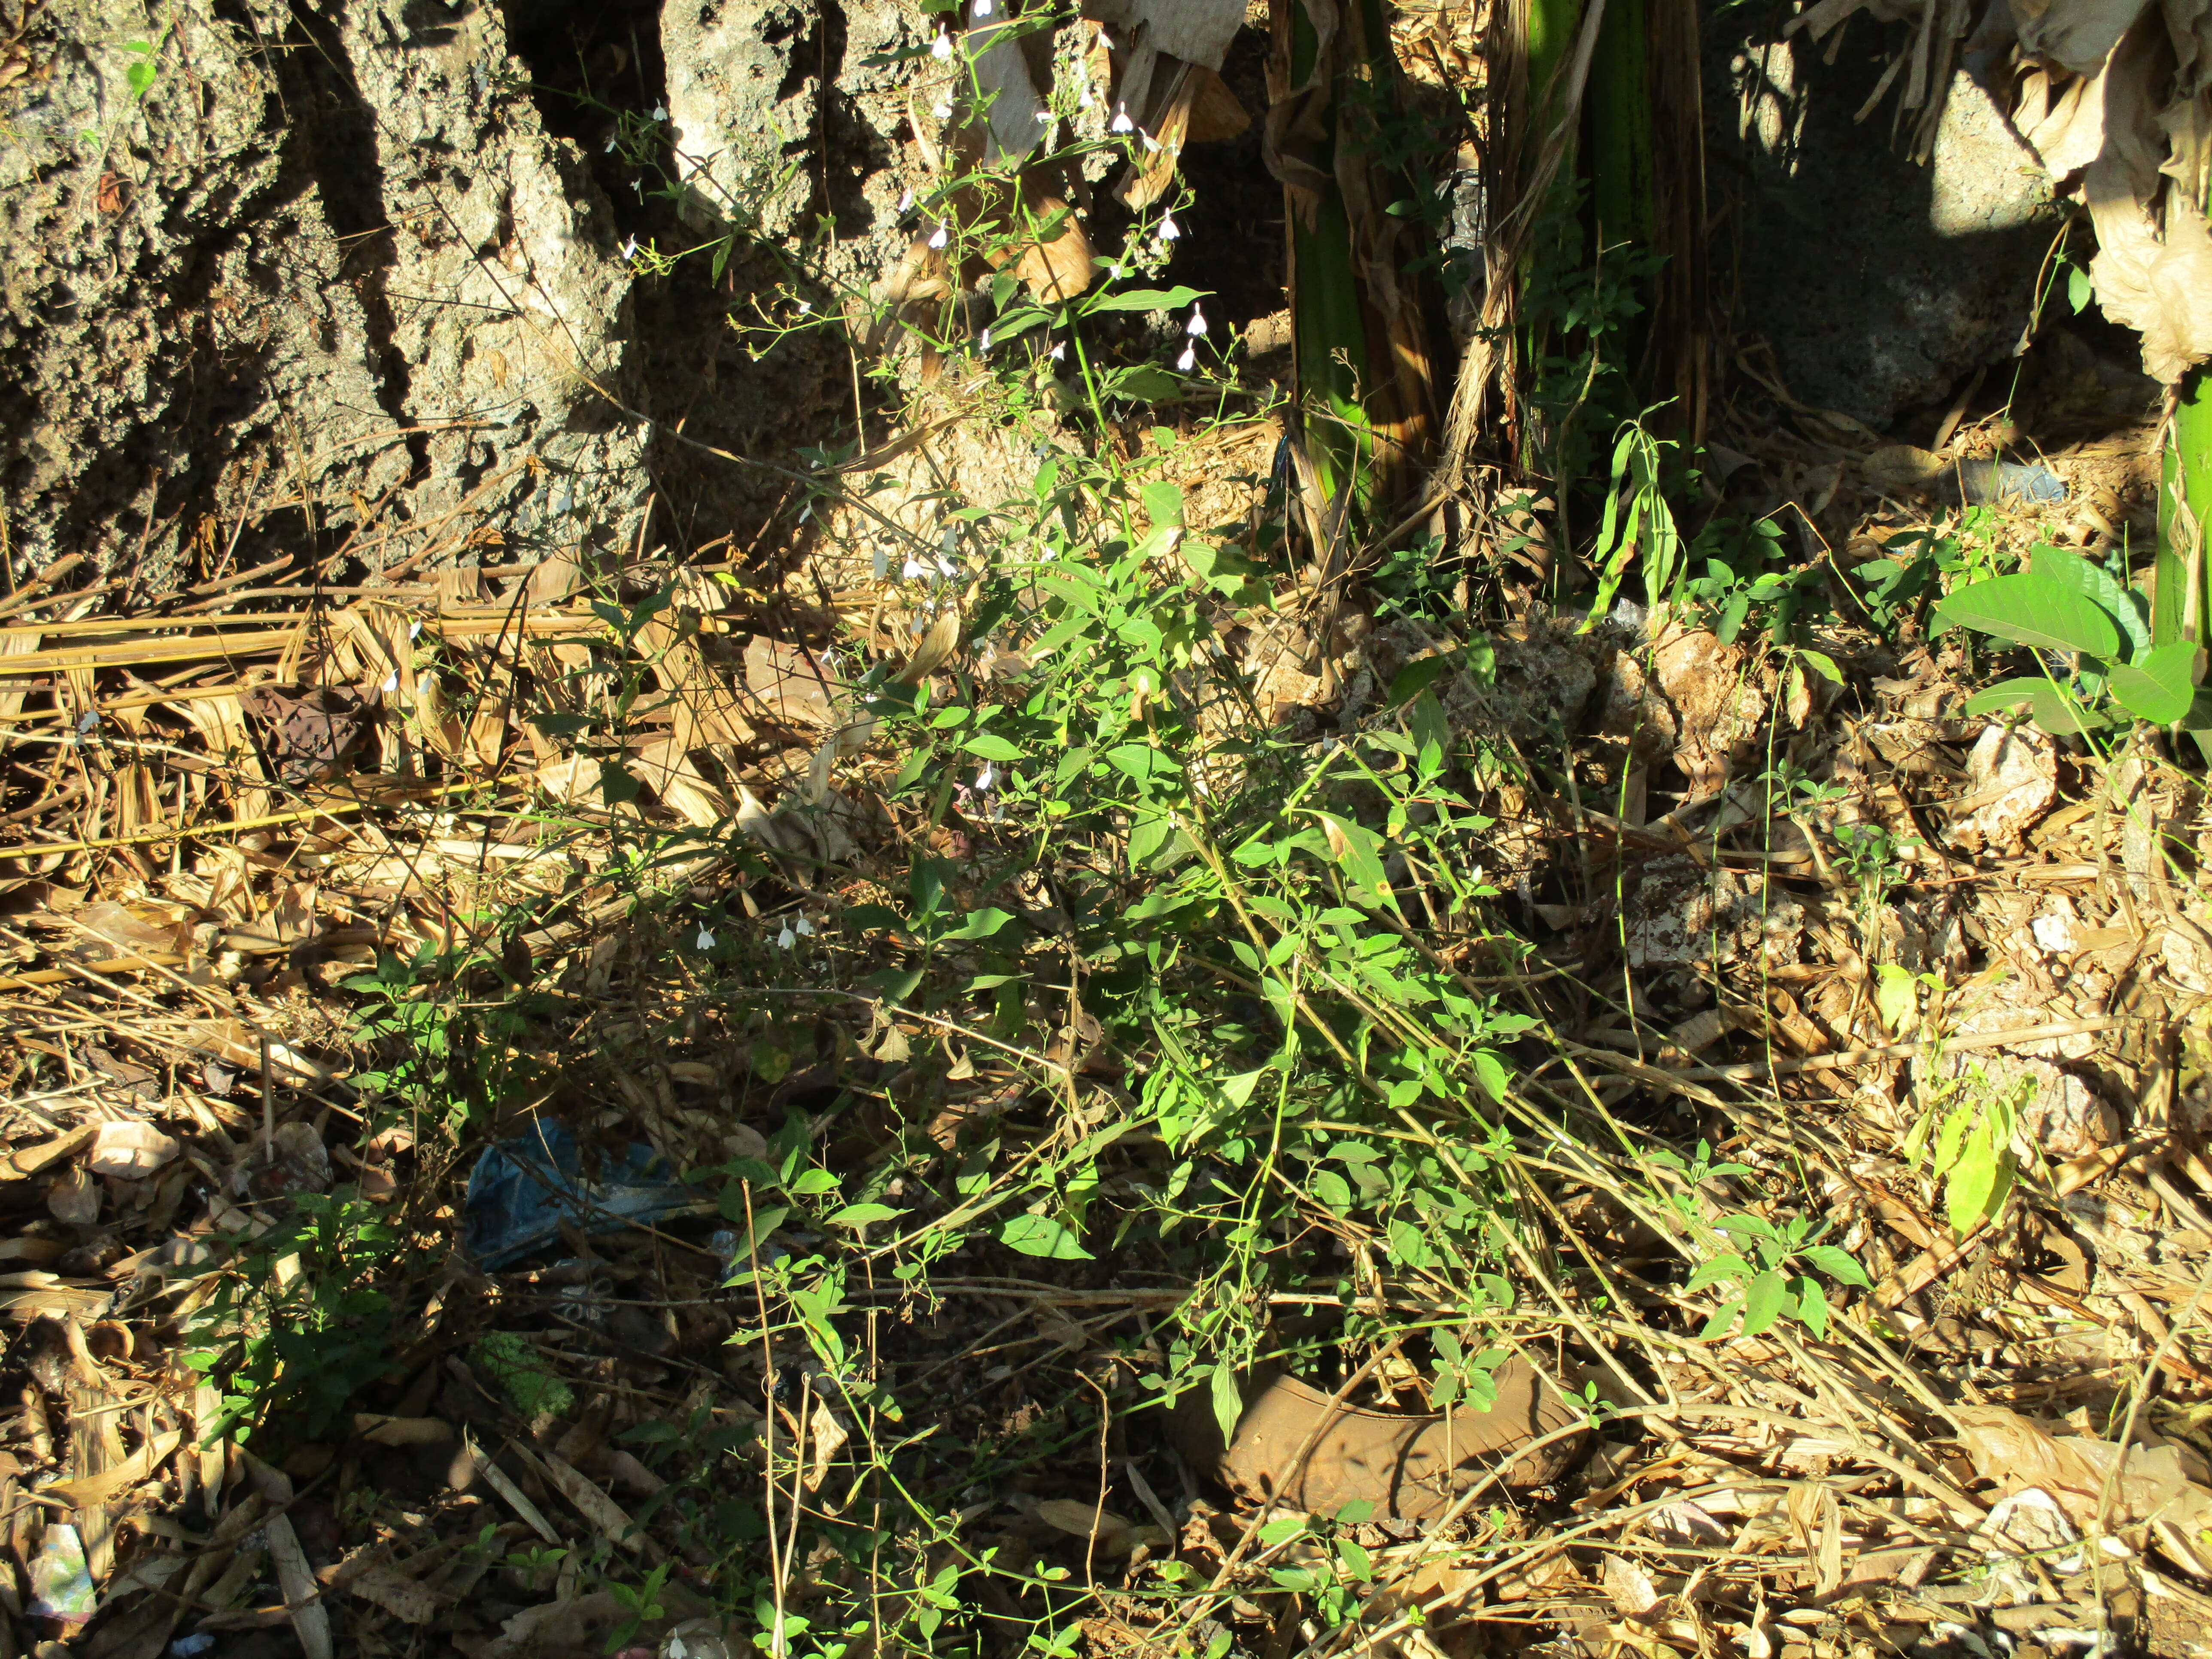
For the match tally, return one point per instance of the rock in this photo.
(1684, 914)
(1879, 282)
(2012, 778)
(345, 253)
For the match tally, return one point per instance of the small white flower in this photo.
(942, 46)
(947, 568)
(1196, 325)
(1188, 360)
(706, 939)
(629, 249)
(982, 8)
(391, 682)
(415, 629)
(1083, 99)
(805, 306)
(661, 111)
(1105, 39)
(1152, 144)
(986, 779)
(87, 720)
(1168, 228)
(942, 109)
(937, 237)
(1058, 352)
(906, 200)
(787, 938)
(912, 569)
(1121, 123)
(607, 148)
(1044, 118)
(805, 928)
(983, 340)
(806, 512)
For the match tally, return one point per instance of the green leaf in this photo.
(1978, 1181)
(1839, 1264)
(1228, 1400)
(1331, 1190)
(812, 1184)
(1355, 849)
(860, 1215)
(1416, 677)
(1763, 1303)
(2061, 716)
(1821, 664)
(2159, 685)
(1896, 995)
(1145, 299)
(1163, 503)
(1728, 1265)
(1720, 1321)
(1040, 1235)
(2071, 570)
(1281, 1530)
(2007, 693)
(990, 746)
(1140, 762)
(2035, 610)
(981, 924)
(1812, 1306)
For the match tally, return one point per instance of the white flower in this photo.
(942, 46)
(629, 249)
(937, 237)
(87, 720)
(787, 938)
(1152, 144)
(942, 109)
(947, 567)
(661, 111)
(983, 340)
(607, 148)
(986, 779)
(706, 939)
(1196, 325)
(806, 512)
(1188, 360)
(1105, 39)
(912, 568)
(1168, 228)
(1058, 351)
(805, 305)
(1044, 118)
(391, 682)
(1083, 99)
(805, 927)
(415, 629)
(906, 200)
(1121, 123)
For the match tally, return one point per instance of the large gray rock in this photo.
(1878, 280)
(339, 254)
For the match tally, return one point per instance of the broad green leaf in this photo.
(1721, 1321)
(2158, 686)
(1040, 1235)
(1145, 299)
(2055, 564)
(1356, 849)
(1228, 1400)
(1822, 663)
(1331, 1190)
(1763, 1303)
(860, 1215)
(812, 1184)
(1896, 995)
(1281, 1530)
(990, 746)
(1163, 503)
(2007, 693)
(1140, 762)
(981, 924)
(1416, 677)
(1812, 1306)
(1728, 1265)
(2061, 716)
(1978, 1181)
(1839, 1264)
(2036, 611)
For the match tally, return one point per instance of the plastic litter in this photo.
(1982, 483)
(522, 1190)
(61, 1584)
